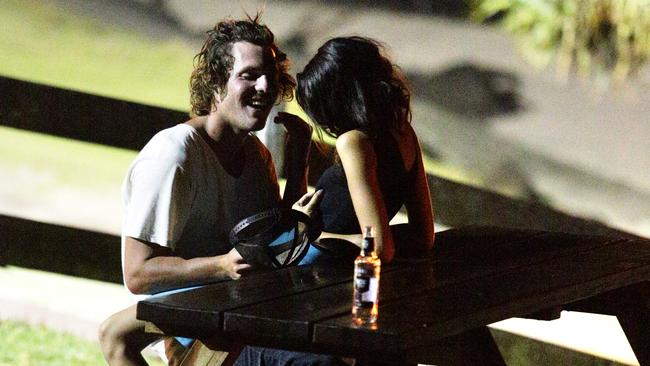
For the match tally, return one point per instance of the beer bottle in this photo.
(366, 281)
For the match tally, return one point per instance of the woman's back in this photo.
(396, 153)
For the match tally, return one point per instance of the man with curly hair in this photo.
(193, 182)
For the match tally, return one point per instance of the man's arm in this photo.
(150, 268)
(297, 156)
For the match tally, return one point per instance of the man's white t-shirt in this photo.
(177, 194)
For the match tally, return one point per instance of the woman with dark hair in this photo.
(354, 93)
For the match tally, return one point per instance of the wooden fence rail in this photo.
(60, 249)
(81, 116)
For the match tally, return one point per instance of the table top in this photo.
(475, 276)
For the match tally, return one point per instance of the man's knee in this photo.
(104, 331)
(109, 337)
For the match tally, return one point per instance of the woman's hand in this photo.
(307, 203)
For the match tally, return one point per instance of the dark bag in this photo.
(275, 238)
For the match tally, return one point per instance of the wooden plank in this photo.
(201, 310)
(493, 254)
(293, 316)
(448, 310)
(82, 116)
(499, 246)
(477, 236)
(270, 304)
(77, 115)
(61, 249)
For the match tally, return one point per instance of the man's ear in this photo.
(216, 99)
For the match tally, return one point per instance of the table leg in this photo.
(478, 348)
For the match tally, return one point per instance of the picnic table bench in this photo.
(432, 310)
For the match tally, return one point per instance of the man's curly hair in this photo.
(212, 66)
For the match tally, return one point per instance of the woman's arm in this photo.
(418, 207)
(355, 239)
(360, 165)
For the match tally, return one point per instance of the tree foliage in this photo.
(593, 38)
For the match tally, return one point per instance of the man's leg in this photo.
(122, 338)
(259, 356)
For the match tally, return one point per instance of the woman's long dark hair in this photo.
(349, 84)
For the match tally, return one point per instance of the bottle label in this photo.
(366, 286)
(371, 294)
(362, 283)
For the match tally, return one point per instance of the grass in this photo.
(53, 158)
(61, 181)
(45, 44)
(30, 345)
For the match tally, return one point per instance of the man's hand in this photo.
(296, 156)
(307, 203)
(233, 264)
(298, 130)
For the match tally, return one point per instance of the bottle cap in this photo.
(368, 245)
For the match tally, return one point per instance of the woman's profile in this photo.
(353, 92)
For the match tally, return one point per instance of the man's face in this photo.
(251, 90)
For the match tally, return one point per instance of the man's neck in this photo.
(223, 141)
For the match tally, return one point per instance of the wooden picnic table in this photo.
(432, 310)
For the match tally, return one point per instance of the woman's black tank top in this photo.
(336, 207)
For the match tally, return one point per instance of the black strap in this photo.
(280, 215)
(251, 220)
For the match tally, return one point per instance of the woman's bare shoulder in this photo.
(352, 140)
